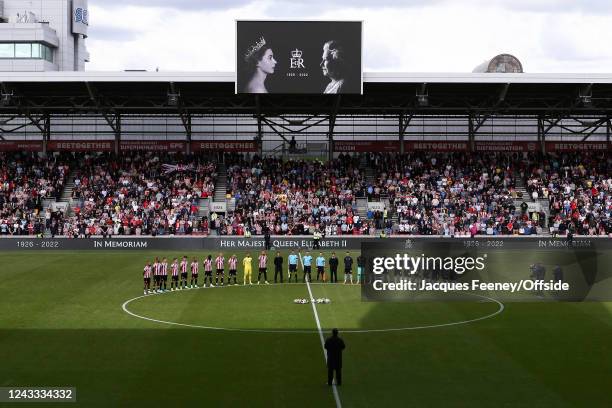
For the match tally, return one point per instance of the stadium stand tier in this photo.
(131, 194)
(418, 193)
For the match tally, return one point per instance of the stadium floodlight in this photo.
(5, 99)
(586, 101)
(423, 100)
(422, 96)
(585, 95)
(173, 99)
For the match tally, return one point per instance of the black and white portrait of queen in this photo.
(333, 64)
(260, 62)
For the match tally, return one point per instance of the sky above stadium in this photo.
(548, 36)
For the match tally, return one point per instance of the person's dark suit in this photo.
(278, 268)
(333, 269)
(267, 240)
(334, 346)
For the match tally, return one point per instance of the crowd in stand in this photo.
(452, 194)
(294, 197)
(26, 179)
(449, 194)
(465, 195)
(578, 187)
(137, 194)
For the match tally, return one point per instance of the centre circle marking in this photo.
(500, 309)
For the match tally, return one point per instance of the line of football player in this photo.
(157, 272)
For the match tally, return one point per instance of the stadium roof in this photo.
(369, 77)
(383, 94)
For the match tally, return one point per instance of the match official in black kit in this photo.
(278, 267)
(334, 346)
(333, 268)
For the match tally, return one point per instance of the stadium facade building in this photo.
(43, 35)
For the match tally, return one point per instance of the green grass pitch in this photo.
(62, 324)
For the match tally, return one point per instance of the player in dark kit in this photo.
(360, 268)
(220, 262)
(194, 272)
(348, 267)
(538, 273)
(233, 263)
(278, 267)
(146, 274)
(184, 273)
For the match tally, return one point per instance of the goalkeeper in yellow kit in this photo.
(246, 262)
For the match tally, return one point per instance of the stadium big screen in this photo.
(303, 57)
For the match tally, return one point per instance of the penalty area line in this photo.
(316, 316)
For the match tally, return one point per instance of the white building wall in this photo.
(58, 13)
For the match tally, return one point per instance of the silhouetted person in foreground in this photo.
(334, 346)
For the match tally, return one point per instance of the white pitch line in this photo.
(316, 315)
(196, 326)
(357, 331)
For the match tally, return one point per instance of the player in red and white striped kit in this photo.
(233, 264)
(195, 265)
(184, 273)
(208, 265)
(146, 274)
(175, 275)
(263, 267)
(157, 275)
(164, 274)
(220, 262)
